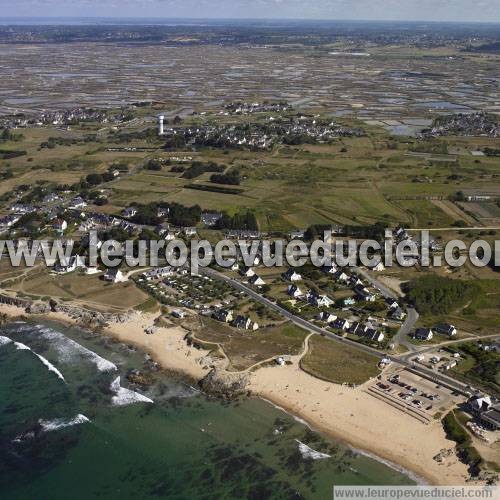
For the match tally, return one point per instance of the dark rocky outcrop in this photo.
(225, 384)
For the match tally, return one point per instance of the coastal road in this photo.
(436, 377)
(435, 347)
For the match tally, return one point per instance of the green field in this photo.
(350, 181)
(338, 363)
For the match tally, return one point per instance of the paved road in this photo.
(401, 338)
(438, 378)
(430, 348)
(387, 292)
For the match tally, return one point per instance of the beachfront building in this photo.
(223, 315)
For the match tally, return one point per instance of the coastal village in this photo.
(358, 332)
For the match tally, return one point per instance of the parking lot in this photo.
(414, 394)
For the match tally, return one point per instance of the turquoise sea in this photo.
(73, 425)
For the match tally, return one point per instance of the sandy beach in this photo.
(166, 346)
(351, 415)
(362, 421)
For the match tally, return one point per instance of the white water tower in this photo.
(161, 119)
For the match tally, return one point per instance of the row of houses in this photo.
(366, 331)
(363, 294)
(426, 334)
(240, 321)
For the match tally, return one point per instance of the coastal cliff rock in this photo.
(225, 384)
(38, 308)
(85, 317)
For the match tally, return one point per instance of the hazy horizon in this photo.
(486, 11)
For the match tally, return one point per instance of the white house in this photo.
(65, 267)
(446, 329)
(329, 269)
(341, 277)
(223, 315)
(245, 323)
(60, 225)
(248, 272)
(327, 317)
(424, 334)
(341, 324)
(114, 275)
(256, 280)
(318, 300)
(291, 275)
(129, 212)
(77, 203)
(294, 291)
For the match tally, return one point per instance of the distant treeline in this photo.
(7, 154)
(491, 152)
(148, 135)
(198, 168)
(242, 220)
(214, 189)
(179, 215)
(8, 135)
(52, 142)
(232, 178)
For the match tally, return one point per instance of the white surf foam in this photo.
(5, 341)
(46, 362)
(68, 349)
(125, 396)
(59, 423)
(310, 454)
(21, 347)
(50, 366)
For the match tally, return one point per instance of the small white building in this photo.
(291, 275)
(294, 291)
(114, 275)
(256, 280)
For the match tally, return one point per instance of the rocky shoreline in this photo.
(84, 317)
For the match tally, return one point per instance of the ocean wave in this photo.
(46, 362)
(21, 347)
(60, 423)
(125, 396)
(310, 454)
(398, 468)
(50, 366)
(5, 340)
(68, 349)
